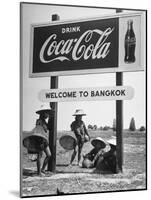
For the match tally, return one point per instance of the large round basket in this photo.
(33, 144)
(68, 142)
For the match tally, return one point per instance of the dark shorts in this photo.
(35, 144)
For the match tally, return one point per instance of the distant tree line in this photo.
(132, 126)
(95, 127)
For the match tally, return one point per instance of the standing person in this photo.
(37, 140)
(81, 133)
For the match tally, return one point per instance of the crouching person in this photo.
(102, 156)
(100, 148)
(107, 162)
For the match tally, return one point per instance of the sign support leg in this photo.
(53, 129)
(119, 125)
(52, 124)
(119, 121)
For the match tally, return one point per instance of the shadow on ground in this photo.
(29, 172)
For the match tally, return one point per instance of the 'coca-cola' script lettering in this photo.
(78, 47)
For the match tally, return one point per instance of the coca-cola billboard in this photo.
(86, 45)
(108, 44)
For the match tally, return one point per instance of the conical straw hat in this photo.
(99, 141)
(79, 112)
(112, 141)
(44, 108)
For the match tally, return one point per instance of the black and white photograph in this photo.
(83, 126)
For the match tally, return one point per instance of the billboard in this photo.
(113, 43)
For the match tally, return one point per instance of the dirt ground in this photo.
(79, 180)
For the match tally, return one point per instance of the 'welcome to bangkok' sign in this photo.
(73, 46)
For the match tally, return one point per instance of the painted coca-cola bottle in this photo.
(130, 43)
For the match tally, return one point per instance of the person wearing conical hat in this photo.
(100, 147)
(37, 140)
(81, 133)
(107, 162)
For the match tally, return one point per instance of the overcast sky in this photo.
(100, 113)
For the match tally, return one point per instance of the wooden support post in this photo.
(119, 125)
(52, 124)
(119, 121)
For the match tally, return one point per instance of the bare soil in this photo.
(79, 180)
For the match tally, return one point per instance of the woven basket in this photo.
(68, 142)
(32, 144)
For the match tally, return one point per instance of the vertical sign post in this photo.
(119, 121)
(52, 124)
(119, 125)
